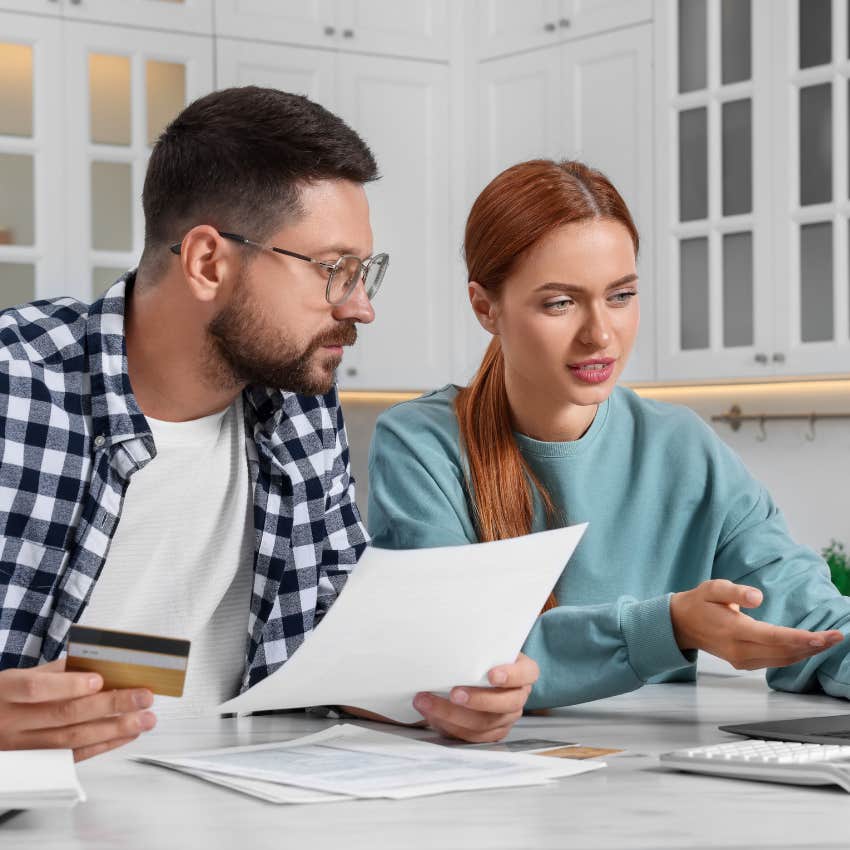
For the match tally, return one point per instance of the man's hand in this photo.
(482, 715)
(709, 617)
(46, 708)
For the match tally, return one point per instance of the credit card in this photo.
(129, 659)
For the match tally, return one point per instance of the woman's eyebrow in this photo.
(572, 287)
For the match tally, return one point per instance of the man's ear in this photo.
(206, 262)
(484, 306)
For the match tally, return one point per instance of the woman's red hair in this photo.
(518, 208)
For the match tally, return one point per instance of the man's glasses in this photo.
(343, 275)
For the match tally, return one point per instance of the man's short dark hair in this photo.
(237, 159)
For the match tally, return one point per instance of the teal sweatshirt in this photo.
(669, 506)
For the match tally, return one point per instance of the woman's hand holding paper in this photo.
(482, 715)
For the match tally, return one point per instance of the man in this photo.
(174, 459)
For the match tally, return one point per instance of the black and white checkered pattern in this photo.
(72, 435)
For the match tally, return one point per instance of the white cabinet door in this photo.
(306, 22)
(508, 26)
(517, 117)
(413, 30)
(32, 226)
(193, 16)
(123, 85)
(519, 111)
(715, 191)
(579, 18)
(811, 136)
(607, 99)
(401, 109)
(293, 69)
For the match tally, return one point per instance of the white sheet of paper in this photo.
(31, 779)
(419, 620)
(347, 759)
(271, 792)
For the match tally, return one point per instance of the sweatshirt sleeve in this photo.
(416, 493)
(590, 652)
(757, 550)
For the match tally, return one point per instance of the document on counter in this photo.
(419, 620)
(360, 763)
(34, 779)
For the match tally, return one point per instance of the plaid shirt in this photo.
(72, 435)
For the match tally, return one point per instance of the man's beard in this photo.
(246, 349)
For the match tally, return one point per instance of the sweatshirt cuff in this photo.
(650, 641)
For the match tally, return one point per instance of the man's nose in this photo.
(357, 307)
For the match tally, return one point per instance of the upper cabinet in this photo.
(716, 313)
(812, 208)
(126, 86)
(752, 190)
(505, 26)
(586, 99)
(193, 16)
(419, 30)
(724, 124)
(401, 108)
(31, 189)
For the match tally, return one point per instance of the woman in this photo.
(680, 537)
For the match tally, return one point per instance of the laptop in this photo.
(834, 729)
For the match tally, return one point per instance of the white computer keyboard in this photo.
(769, 761)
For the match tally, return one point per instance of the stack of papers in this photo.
(419, 620)
(347, 761)
(31, 779)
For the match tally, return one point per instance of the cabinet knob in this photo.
(565, 23)
(330, 30)
(348, 33)
(761, 358)
(549, 27)
(351, 372)
(778, 357)
(76, 2)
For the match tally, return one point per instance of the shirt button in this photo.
(99, 440)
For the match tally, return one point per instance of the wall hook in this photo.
(811, 435)
(763, 435)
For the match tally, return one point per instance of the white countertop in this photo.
(630, 804)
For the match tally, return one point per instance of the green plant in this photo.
(838, 559)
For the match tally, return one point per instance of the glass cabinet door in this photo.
(31, 232)
(812, 167)
(714, 199)
(126, 88)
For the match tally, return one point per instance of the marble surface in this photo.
(630, 804)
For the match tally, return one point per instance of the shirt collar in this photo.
(116, 415)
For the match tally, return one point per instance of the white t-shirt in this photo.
(181, 560)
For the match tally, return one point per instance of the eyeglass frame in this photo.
(332, 268)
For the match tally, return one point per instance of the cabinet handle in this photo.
(330, 30)
(761, 358)
(778, 357)
(348, 33)
(549, 27)
(564, 22)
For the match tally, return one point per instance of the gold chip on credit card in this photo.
(129, 659)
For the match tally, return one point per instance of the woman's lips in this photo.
(593, 371)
